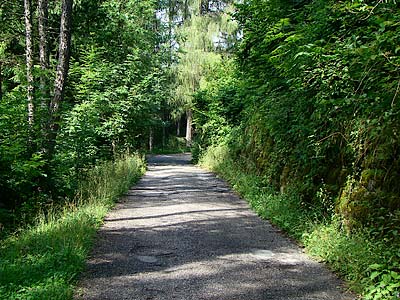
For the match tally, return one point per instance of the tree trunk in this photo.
(1, 83)
(43, 52)
(186, 10)
(178, 127)
(62, 71)
(189, 132)
(163, 140)
(204, 7)
(151, 139)
(171, 15)
(29, 62)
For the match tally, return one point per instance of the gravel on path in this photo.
(181, 233)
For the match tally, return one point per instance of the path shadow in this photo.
(182, 234)
(169, 159)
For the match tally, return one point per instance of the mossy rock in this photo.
(354, 206)
(364, 199)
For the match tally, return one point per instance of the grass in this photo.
(43, 261)
(370, 265)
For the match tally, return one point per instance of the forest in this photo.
(294, 102)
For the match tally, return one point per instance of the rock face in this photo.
(182, 234)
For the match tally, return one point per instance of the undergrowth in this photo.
(173, 145)
(42, 261)
(369, 264)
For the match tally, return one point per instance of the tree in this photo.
(43, 50)
(118, 83)
(200, 47)
(29, 61)
(62, 71)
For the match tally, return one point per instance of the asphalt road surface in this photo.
(181, 233)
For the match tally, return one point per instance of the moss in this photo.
(372, 178)
(284, 179)
(354, 204)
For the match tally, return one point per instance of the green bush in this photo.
(43, 261)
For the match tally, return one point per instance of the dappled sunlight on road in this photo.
(182, 234)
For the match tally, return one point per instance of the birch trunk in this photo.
(1, 83)
(178, 128)
(43, 51)
(62, 71)
(29, 62)
(170, 20)
(189, 133)
(151, 139)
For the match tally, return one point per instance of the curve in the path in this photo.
(182, 234)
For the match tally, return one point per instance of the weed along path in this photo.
(182, 234)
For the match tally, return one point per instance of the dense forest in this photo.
(75, 90)
(295, 102)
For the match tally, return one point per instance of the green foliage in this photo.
(44, 260)
(117, 91)
(315, 92)
(316, 131)
(318, 84)
(370, 264)
(203, 38)
(118, 83)
(385, 282)
(106, 182)
(20, 168)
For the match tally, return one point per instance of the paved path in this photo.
(182, 234)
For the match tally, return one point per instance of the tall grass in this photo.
(370, 265)
(42, 261)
